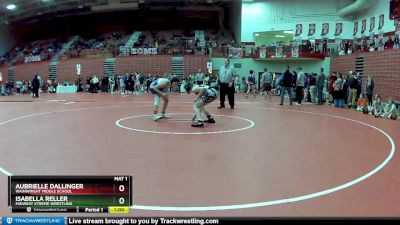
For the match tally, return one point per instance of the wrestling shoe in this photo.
(210, 120)
(157, 117)
(166, 117)
(198, 124)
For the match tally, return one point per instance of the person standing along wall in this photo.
(112, 84)
(353, 84)
(286, 85)
(266, 80)
(300, 83)
(320, 86)
(313, 88)
(370, 89)
(35, 86)
(251, 84)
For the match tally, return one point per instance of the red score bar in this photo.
(88, 189)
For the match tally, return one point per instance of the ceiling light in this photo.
(288, 32)
(11, 7)
(257, 34)
(279, 36)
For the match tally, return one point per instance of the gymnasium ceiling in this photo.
(27, 9)
(48, 9)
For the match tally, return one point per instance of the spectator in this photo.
(206, 79)
(127, 79)
(136, 79)
(338, 98)
(112, 84)
(345, 88)
(286, 85)
(390, 110)
(359, 84)
(141, 81)
(396, 41)
(35, 86)
(313, 88)
(325, 46)
(9, 88)
(377, 107)
(200, 77)
(251, 84)
(398, 111)
(266, 81)
(353, 85)
(320, 86)
(121, 85)
(238, 84)
(389, 44)
(2, 89)
(362, 104)
(332, 80)
(18, 84)
(148, 82)
(104, 83)
(370, 89)
(94, 82)
(300, 84)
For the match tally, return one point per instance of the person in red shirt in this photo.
(389, 43)
(332, 80)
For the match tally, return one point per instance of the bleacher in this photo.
(40, 50)
(167, 42)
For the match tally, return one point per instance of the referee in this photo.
(226, 84)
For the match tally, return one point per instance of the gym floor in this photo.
(260, 159)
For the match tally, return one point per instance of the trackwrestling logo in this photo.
(33, 220)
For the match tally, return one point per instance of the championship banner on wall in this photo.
(278, 51)
(299, 29)
(235, 52)
(397, 25)
(339, 29)
(355, 28)
(33, 58)
(364, 26)
(143, 51)
(295, 51)
(381, 45)
(372, 24)
(325, 29)
(263, 52)
(381, 21)
(311, 29)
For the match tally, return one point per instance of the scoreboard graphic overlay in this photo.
(86, 194)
